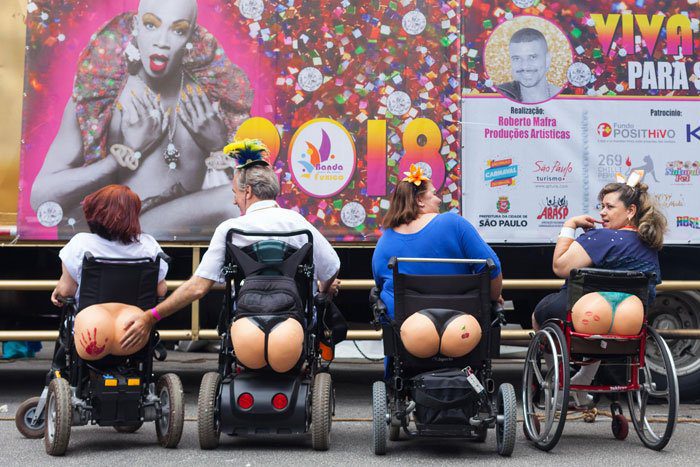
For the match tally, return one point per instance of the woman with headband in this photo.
(631, 236)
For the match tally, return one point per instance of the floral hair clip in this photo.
(247, 152)
(415, 175)
(635, 177)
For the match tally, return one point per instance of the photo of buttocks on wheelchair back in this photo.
(439, 345)
(92, 380)
(271, 377)
(605, 326)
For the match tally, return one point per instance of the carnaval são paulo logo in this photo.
(322, 158)
(500, 172)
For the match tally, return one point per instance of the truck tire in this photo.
(679, 310)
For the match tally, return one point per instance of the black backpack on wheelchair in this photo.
(269, 282)
(445, 396)
(113, 391)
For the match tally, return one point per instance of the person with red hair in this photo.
(112, 214)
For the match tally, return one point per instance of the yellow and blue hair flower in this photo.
(247, 152)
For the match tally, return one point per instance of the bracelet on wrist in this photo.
(155, 314)
(567, 232)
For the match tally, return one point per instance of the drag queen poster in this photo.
(146, 93)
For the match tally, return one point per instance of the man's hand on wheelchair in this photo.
(59, 300)
(332, 290)
(137, 330)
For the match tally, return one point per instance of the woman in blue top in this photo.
(415, 228)
(631, 237)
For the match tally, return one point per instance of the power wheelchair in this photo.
(445, 396)
(652, 393)
(114, 391)
(237, 400)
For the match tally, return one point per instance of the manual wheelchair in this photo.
(445, 396)
(237, 400)
(114, 391)
(652, 393)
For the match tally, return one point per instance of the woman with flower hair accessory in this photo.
(414, 227)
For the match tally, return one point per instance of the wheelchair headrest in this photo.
(269, 251)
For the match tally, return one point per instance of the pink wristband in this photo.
(155, 314)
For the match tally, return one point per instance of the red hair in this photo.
(113, 212)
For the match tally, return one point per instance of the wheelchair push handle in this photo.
(292, 233)
(394, 261)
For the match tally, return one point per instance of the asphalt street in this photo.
(351, 436)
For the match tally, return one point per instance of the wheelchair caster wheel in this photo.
(25, 415)
(620, 427)
(128, 428)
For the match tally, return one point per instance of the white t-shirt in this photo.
(267, 216)
(72, 254)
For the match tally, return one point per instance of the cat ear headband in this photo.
(635, 177)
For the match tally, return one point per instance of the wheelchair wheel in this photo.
(394, 433)
(654, 407)
(507, 412)
(620, 427)
(546, 394)
(321, 412)
(128, 428)
(481, 434)
(208, 411)
(25, 415)
(172, 404)
(58, 417)
(379, 417)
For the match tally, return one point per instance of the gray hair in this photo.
(262, 181)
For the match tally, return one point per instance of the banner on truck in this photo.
(558, 98)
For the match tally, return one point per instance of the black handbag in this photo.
(442, 397)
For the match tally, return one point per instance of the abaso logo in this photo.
(604, 130)
(322, 157)
(556, 208)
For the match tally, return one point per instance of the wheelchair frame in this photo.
(72, 395)
(392, 402)
(308, 387)
(555, 385)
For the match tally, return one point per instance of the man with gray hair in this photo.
(255, 188)
(529, 60)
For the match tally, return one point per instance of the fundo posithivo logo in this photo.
(631, 132)
(322, 157)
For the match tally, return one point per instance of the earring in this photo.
(189, 46)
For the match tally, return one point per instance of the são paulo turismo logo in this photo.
(322, 157)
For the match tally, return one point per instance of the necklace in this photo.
(171, 155)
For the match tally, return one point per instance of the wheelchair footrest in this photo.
(444, 431)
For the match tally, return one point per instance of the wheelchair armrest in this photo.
(379, 310)
(67, 301)
(165, 257)
(497, 315)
